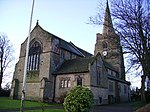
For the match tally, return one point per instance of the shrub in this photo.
(4, 92)
(78, 99)
(147, 95)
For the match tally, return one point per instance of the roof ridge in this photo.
(76, 48)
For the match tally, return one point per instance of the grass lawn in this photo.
(47, 110)
(137, 104)
(7, 103)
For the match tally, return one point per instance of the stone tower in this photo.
(108, 44)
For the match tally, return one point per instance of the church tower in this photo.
(108, 45)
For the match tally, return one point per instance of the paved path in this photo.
(123, 107)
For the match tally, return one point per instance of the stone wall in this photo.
(97, 68)
(34, 77)
(124, 92)
(100, 95)
(60, 92)
(111, 92)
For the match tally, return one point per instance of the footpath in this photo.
(122, 107)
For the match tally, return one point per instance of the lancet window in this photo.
(34, 57)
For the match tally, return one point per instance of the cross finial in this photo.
(37, 23)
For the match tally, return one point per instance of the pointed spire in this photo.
(108, 26)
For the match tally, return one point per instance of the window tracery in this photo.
(34, 57)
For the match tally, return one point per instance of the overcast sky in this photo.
(66, 19)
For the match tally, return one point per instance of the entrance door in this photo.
(110, 99)
(16, 87)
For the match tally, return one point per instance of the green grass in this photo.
(138, 104)
(47, 110)
(7, 103)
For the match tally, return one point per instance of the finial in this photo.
(37, 23)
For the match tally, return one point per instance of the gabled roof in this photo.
(85, 53)
(108, 65)
(78, 65)
(119, 80)
(69, 46)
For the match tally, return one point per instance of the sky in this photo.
(66, 19)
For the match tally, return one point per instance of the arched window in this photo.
(104, 45)
(65, 83)
(34, 57)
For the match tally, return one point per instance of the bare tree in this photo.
(132, 24)
(6, 56)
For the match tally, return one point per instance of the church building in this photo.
(55, 66)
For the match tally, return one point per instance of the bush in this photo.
(5, 93)
(147, 95)
(78, 99)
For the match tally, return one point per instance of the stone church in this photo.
(55, 66)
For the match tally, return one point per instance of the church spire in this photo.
(108, 26)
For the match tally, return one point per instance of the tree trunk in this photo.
(143, 88)
(0, 83)
(1, 68)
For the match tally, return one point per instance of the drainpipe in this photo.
(53, 100)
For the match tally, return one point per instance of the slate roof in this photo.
(69, 46)
(119, 80)
(85, 53)
(108, 65)
(78, 65)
